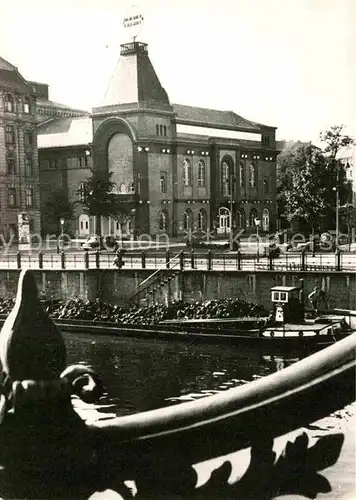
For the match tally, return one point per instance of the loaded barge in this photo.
(286, 327)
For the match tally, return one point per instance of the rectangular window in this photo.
(28, 166)
(29, 197)
(11, 165)
(9, 135)
(28, 138)
(11, 196)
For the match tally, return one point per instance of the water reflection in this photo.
(140, 374)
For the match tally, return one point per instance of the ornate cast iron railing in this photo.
(48, 451)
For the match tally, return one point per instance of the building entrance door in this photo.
(224, 221)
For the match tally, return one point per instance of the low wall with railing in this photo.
(115, 286)
(216, 261)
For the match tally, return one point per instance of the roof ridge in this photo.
(4, 64)
(201, 107)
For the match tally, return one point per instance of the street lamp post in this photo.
(257, 224)
(62, 221)
(231, 239)
(337, 207)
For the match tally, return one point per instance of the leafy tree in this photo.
(334, 141)
(307, 178)
(58, 206)
(289, 162)
(100, 199)
(304, 194)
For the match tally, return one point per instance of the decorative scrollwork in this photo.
(83, 382)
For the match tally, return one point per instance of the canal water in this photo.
(141, 374)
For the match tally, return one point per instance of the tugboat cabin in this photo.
(287, 304)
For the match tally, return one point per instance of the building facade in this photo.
(19, 175)
(184, 169)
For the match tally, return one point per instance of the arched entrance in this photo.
(224, 218)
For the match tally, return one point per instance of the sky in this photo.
(286, 63)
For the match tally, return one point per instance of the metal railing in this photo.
(223, 261)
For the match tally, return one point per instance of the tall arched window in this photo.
(265, 219)
(266, 185)
(202, 220)
(187, 173)
(242, 175)
(163, 182)
(164, 130)
(9, 103)
(157, 129)
(253, 216)
(163, 221)
(201, 173)
(26, 106)
(253, 175)
(82, 191)
(161, 129)
(240, 219)
(225, 178)
(187, 220)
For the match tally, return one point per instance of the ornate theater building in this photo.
(182, 168)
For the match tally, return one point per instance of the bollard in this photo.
(86, 259)
(338, 260)
(97, 259)
(18, 258)
(181, 260)
(63, 260)
(209, 259)
(143, 260)
(303, 261)
(192, 258)
(239, 259)
(270, 262)
(167, 259)
(40, 260)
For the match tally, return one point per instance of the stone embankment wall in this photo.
(115, 286)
